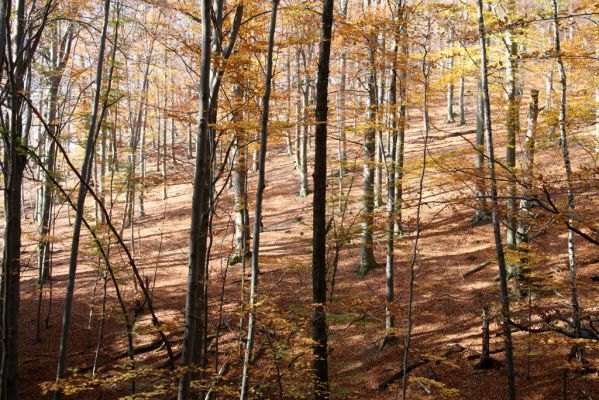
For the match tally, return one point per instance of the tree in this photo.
(259, 198)
(319, 261)
(505, 300)
(367, 260)
(194, 341)
(95, 121)
(18, 51)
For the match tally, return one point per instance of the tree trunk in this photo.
(297, 157)
(12, 167)
(342, 144)
(391, 181)
(523, 242)
(192, 351)
(367, 260)
(60, 56)
(505, 300)
(242, 227)
(563, 135)
(512, 126)
(83, 187)
(450, 85)
(481, 213)
(259, 197)
(319, 257)
(401, 128)
(462, 101)
(304, 186)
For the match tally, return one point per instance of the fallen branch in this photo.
(146, 348)
(419, 362)
(478, 268)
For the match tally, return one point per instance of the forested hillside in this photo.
(293, 199)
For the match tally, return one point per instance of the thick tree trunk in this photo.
(367, 260)
(192, 352)
(505, 300)
(12, 167)
(259, 197)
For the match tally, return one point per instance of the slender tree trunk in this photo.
(527, 170)
(401, 128)
(342, 144)
(142, 167)
(426, 71)
(304, 186)
(242, 228)
(60, 56)
(481, 212)
(462, 101)
(505, 300)
(298, 112)
(164, 141)
(549, 101)
(391, 182)
(83, 186)
(597, 106)
(512, 125)
(319, 259)
(378, 165)
(259, 196)
(563, 134)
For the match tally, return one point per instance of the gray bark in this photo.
(512, 125)
(83, 188)
(367, 260)
(193, 349)
(259, 198)
(563, 134)
(505, 300)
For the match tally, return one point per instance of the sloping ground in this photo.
(447, 306)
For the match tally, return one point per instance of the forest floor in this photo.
(447, 306)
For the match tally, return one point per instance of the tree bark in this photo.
(192, 351)
(259, 197)
(342, 144)
(319, 256)
(563, 134)
(512, 125)
(60, 56)
(242, 227)
(96, 118)
(367, 260)
(505, 301)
